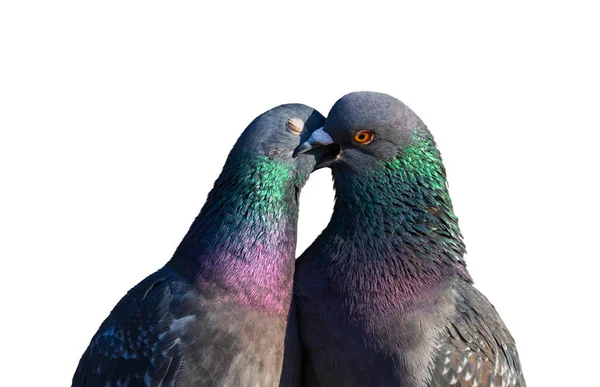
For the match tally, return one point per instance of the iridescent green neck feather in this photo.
(400, 206)
(243, 242)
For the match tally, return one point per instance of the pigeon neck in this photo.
(242, 245)
(398, 220)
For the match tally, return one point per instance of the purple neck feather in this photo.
(241, 248)
(393, 238)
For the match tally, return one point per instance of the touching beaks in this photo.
(319, 138)
(326, 151)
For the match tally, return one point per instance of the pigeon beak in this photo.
(326, 150)
(318, 139)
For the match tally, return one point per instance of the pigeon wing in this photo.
(136, 344)
(476, 348)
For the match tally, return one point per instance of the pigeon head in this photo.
(365, 128)
(276, 133)
(386, 165)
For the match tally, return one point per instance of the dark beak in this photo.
(325, 149)
(319, 138)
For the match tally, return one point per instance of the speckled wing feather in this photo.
(137, 345)
(477, 349)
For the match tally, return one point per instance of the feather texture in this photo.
(476, 348)
(383, 295)
(216, 313)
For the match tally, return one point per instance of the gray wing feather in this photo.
(135, 345)
(476, 349)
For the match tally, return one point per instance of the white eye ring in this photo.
(295, 125)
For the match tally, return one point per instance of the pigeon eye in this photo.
(363, 137)
(295, 125)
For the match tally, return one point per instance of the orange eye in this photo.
(363, 137)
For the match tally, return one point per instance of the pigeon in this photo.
(383, 297)
(216, 313)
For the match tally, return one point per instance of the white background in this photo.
(116, 118)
